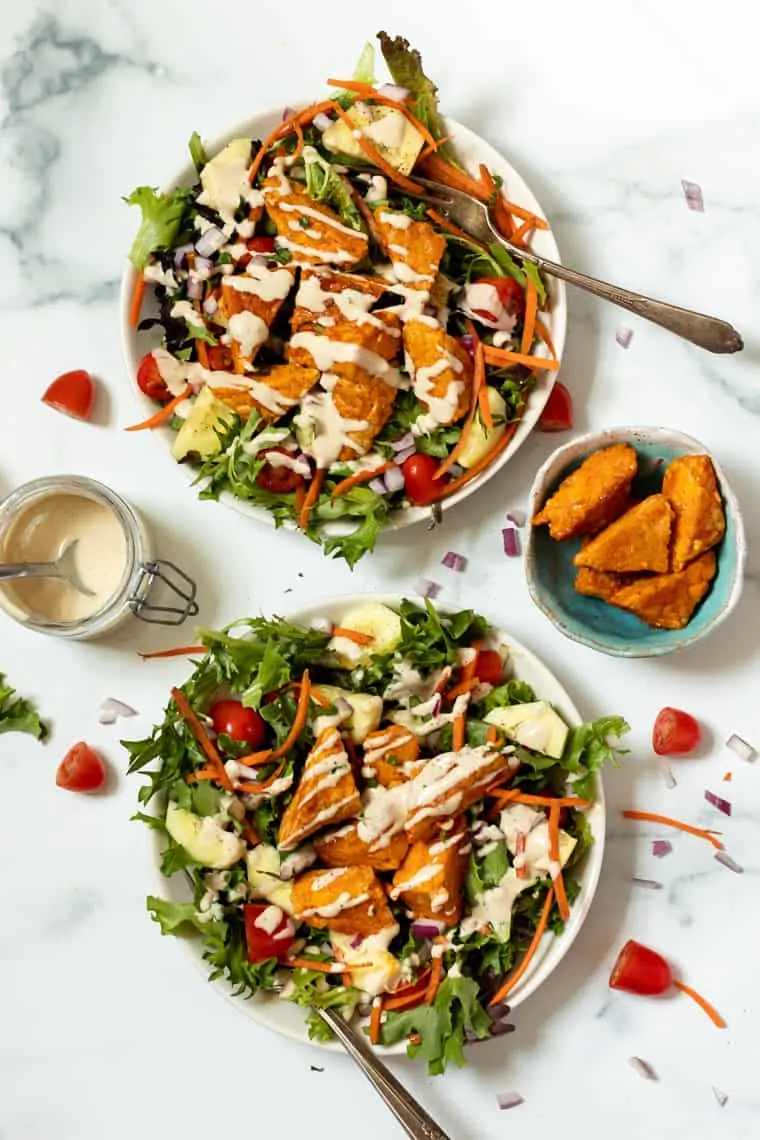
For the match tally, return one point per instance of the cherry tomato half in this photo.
(640, 970)
(72, 393)
(510, 293)
(233, 719)
(675, 733)
(150, 381)
(278, 480)
(81, 770)
(261, 244)
(558, 410)
(219, 358)
(269, 933)
(488, 667)
(421, 487)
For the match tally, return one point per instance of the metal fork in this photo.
(476, 218)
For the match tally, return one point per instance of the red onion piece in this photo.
(509, 1100)
(725, 859)
(454, 561)
(426, 928)
(718, 802)
(643, 1068)
(624, 336)
(322, 121)
(393, 91)
(517, 517)
(456, 470)
(203, 267)
(403, 442)
(181, 253)
(427, 588)
(378, 486)
(288, 113)
(356, 941)
(669, 778)
(111, 710)
(394, 479)
(720, 1096)
(194, 289)
(511, 542)
(210, 242)
(692, 192)
(406, 454)
(650, 884)
(741, 747)
(661, 847)
(210, 305)
(468, 344)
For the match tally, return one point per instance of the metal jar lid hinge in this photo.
(170, 582)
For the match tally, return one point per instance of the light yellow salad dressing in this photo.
(39, 534)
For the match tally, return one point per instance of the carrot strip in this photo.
(651, 817)
(201, 350)
(545, 335)
(320, 967)
(525, 215)
(377, 159)
(180, 651)
(375, 1021)
(458, 735)
(515, 976)
(162, 414)
(207, 772)
(249, 834)
(296, 728)
(710, 1010)
(282, 130)
(728, 776)
(504, 356)
(484, 408)
(478, 381)
(455, 231)
(463, 687)
(360, 477)
(312, 495)
(521, 871)
(492, 736)
(439, 170)
(407, 997)
(529, 321)
(299, 139)
(559, 882)
(523, 233)
(137, 300)
(352, 635)
(300, 495)
(486, 461)
(516, 796)
(435, 979)
(200, 734)
(366, 91)
(468, 670)
(255, 789)
(503, 220)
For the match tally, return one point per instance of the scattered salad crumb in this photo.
(509, 1100)
(727, 777)
(651, 884)
(724, 858)
(669, 778)
(427, 588)
(511, 540)
(316, 1068)
(692, 192)
(624, 336)
(454, 561)
(517, 517)
(718, 802)
(661, 847)
(720, 1096)
(17, 714)
(111, 710)
(741, 747)
(643, 1068)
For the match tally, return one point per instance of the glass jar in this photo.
(148, 588)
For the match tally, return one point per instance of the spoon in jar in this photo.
(64, 567)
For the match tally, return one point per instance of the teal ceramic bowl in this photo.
(592, 622)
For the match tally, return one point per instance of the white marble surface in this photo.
(104, 1028)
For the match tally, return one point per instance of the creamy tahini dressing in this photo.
(351, 303)
(327, 353)
(177, 374)
(318, 412)
(397, 221)
(268, 284)
(248, 330)
(39, 534)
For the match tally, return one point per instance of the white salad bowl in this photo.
(288, 1019)
(472, 150)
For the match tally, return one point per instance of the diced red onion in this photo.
(406, 454)
(111, 710)
(426, 928)
(624, 336)
(210, 305)
(499, 1028)
(720, 1096)
(246, 771)
(394, 479)
(500, 1011)
(741, 747)
(210, 242)
(468, 344)
(511, 542)
(668, 777)
(456, 470)
(509, 1100)
(322, 121)
(725, 859)
(321, 625)
(378, 486)
(288, 113)
(393, 91)
(454, 561)
(194, 289)
(692, 192)
(403, 442)
(718, 802)
(517, 517)
(427, 588)
(643, 1068)
(650, 884)
(661, 847)
(181, 253)
(203, 266)
(356, 941)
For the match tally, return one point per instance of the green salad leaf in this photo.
(17, 714)
(589, 747)
(324, 184)
(405, 66)
(174, 918)
(197, 151)
(441, 1026)
(162, 217)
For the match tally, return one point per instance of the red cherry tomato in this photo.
(262, 244)
(72, 393)
(150, 380)
(489, 667)
(675, 733)
(270, 936)
(558, 410)
(81, 770)
(278, 480)
(235, 720)
(421, 487)
(640, 970)
(510, 293)
(219, 358)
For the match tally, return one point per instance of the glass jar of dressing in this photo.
(112, 557)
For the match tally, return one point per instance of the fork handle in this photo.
(410, 1115)
(706, 332)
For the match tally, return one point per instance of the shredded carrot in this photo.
(521, 870)
(207, 772)
(468, 670)
(436, 974)
(443, 680)
(407, 997)
(271, 138)
(651, 817)
(360, 477)
(180, 651)
(503, 219)
(289, 127)
(315, 486)
(516, 796)
(320, 967)
(484, 408)
(728, 777)
(515, 976)
(200, 734)
(375, 1021)
(458, 734)
(250, 835)
(455, 231)
(300, 495)
(299, 139)
(296, 728)
(504, 356)
(710, 1010)
(478, 381)
(137, 300)
(200, 348)
(501, 444)
(523, 233)
(545, 335)
(255, 789)
(526, 215)
(463, 687)
(529, 321)
(492, 736)
(352, 635)
(415, 1039)
(366, 91)
(559, 882)
(439, 170)
(377, 159)
(162, 414)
